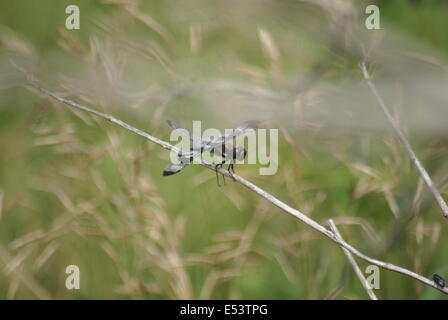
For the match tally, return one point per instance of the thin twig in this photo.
(40, 292)
(352, 261)
(280, 204)
(405, 143)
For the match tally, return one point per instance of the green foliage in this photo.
(78, 190)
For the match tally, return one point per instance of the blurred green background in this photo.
(78, 190)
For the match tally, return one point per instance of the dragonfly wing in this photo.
(173, 124)
(173, 169)
(195, 139)
(247, 126)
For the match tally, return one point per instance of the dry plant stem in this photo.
(352, 261)
(294, 212)
(29, 281)
(405, 143)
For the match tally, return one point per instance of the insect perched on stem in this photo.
(438, 280)
(220, 146)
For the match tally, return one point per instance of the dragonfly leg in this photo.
(217, 174)
(231, 170)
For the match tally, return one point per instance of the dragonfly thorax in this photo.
(239, 153)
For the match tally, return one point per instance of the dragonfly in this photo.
(438, 280)
(220, 146)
